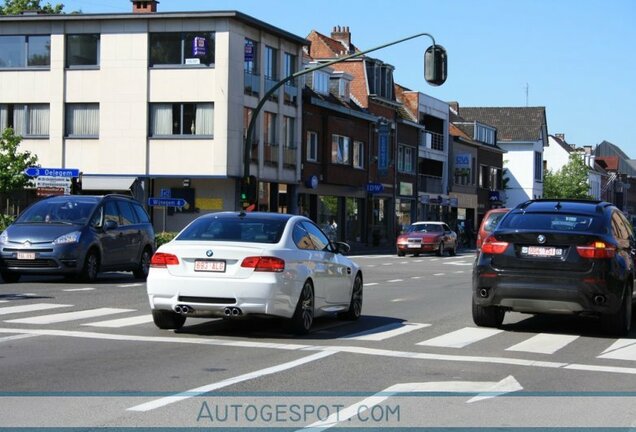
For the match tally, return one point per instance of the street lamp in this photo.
(435, 73)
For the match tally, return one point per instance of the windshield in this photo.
(424, 228)
(58, 211)
(234, 229)
(551, 222)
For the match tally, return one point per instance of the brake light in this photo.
(162, 260)
(493, 246)
(596, 250)
(264, 264)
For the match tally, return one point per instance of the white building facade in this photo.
(156, 102)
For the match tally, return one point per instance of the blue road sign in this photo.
(165, 193)
(374, 188)
(51, 172)
(167, 202)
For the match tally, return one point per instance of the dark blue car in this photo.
(78, 235)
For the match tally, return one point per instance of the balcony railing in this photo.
(252, 84)
(429, 184)
(271, 153)
(289, 156)
(269, 83)
(290, 94)
(433, 140)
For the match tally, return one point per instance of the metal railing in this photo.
(433, 140)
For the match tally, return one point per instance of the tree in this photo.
(571, 181)
(13, 163)
(16, 7)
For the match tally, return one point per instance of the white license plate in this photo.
(414, 245)
(26, 255)
(542, 251)
(209, 266)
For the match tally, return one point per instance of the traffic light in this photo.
(248, 192)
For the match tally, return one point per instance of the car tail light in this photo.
(264, 263)
(493, 246)
(596, 250)
(163, 260)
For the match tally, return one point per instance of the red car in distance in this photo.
(422, 237)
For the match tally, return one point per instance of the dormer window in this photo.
(380, 79)
(320, 82)
(340, 85)
(484, 134)
(344, 89)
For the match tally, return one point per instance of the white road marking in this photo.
(130, 285)
(78, 289)
(329, 348)
(489, 389)
(387, 264)
(439, 274)
(459, 271)
(122, 322)
(543, 343)
(398, 300)
(434, 259)
(4, 301)
(459, 263)
(622, 349)
(460, 338)
(69, 316)
(148, 406)
(30, 308)
(418, 261)
(396, 280)
(16, 337)
(385, 332)
(370, 284)
(416, 277)
(371, 265)
(404, 262)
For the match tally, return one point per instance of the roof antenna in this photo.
(527, 91)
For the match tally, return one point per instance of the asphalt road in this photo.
(89, 356)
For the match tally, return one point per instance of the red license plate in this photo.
(209, 266)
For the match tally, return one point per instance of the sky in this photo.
(576, 58)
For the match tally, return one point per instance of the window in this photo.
(484, 134)
(380, 79)
(82, 50)
(320, 82)
(82, 120)
(127, 214)
(252, 84)
(169, 119)
(405, 159)
(289, 65)
(340, 153)
(182, 48)
(25, 51)
(271, 69)
(250, 63)
(358, 154)
(344, 89)
(538, 164)
(312, 146)
(271, 145)
(27, 120)
(289, 151)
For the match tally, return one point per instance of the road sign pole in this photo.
(165, 210)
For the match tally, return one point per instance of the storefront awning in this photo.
(107, 183)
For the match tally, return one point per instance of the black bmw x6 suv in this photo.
(560, 257)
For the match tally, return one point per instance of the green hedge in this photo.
(5, 221)
(164, 237)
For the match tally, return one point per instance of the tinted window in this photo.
(318, 238)
(142, 216)
(259, 230)
(551, 222)
(110, 212)
(127, 214)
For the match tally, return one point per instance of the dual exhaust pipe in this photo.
(232, 312)
(183, 309)
(483, 293)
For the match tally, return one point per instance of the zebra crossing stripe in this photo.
(543, 343)
(69, 316)
(385, 332)
(460, 338)
(622, 349)
(122, 322)
(30, 308)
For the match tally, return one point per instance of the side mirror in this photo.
(342, 247)
(110, 225)
(435, 63)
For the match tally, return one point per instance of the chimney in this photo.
(144, 6)
(342, 35)
(560, 136)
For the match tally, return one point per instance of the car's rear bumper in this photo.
(256, 296)
(547, 293)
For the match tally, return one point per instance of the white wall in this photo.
(555, 155)
(519, 162)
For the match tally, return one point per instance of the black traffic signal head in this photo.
(248, 190)
(435, 63)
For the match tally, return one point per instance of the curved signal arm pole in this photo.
(279, 84)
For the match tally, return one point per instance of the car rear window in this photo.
(235, 229)
(551, 222)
